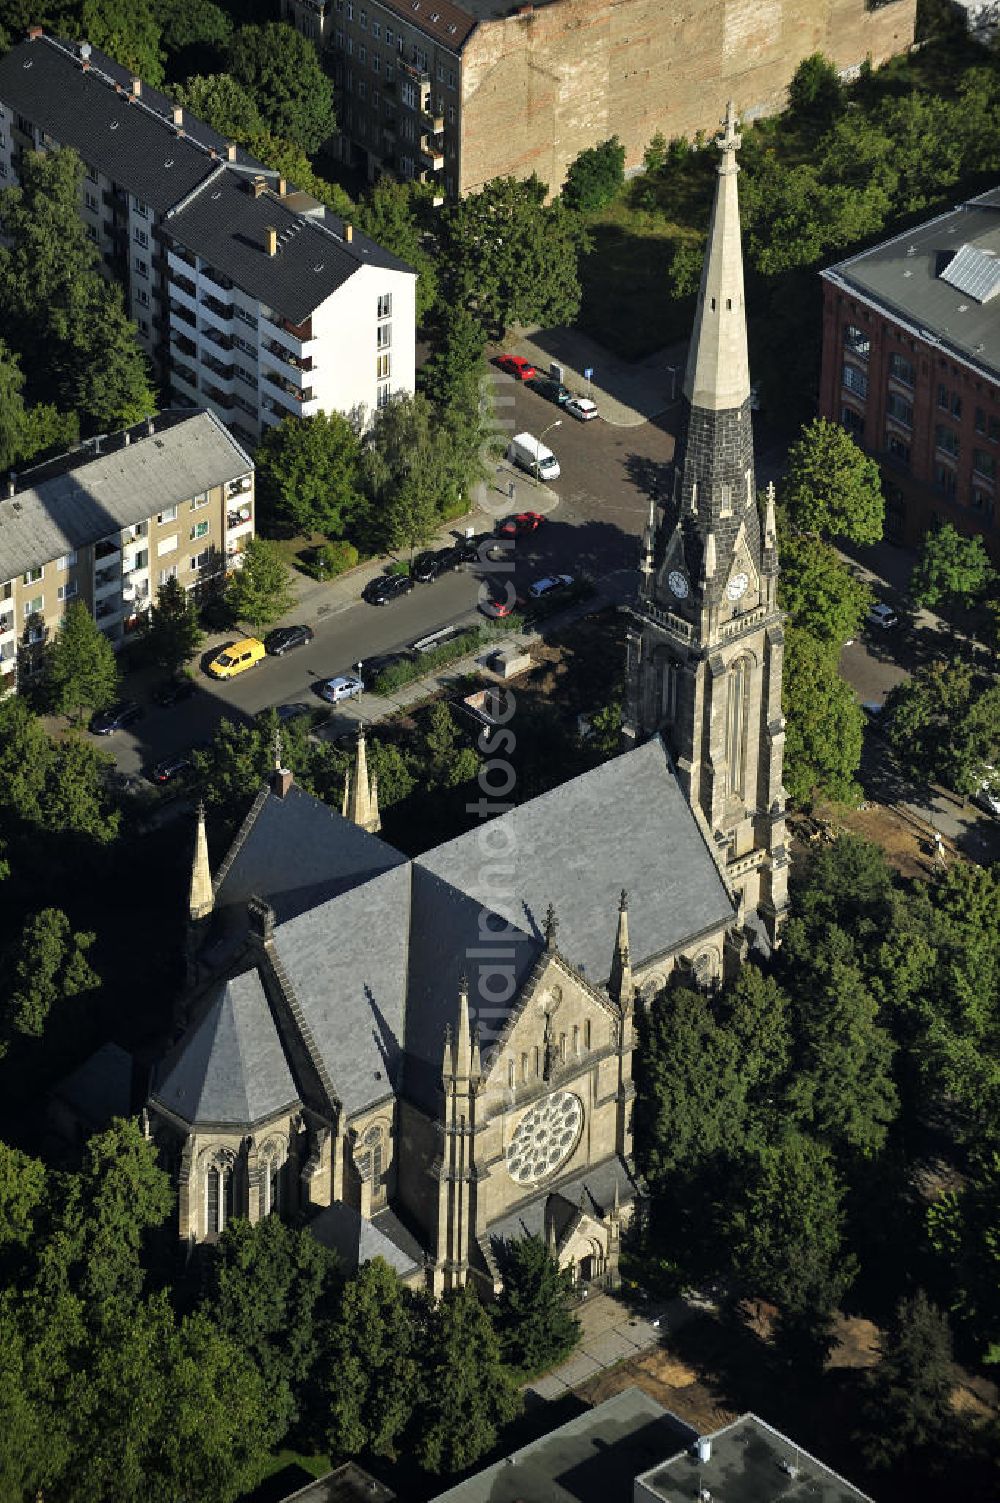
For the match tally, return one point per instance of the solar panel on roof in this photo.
(974, 272)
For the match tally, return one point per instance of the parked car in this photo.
(882, 615)
(292, 711)
(170, 768)
(988, 798)
(345, 686)
(386, 587)
(284, 638)
(425, 567)
(521, 525)
(549, 388)
(172, 690)
(449, 558)
(582, 408)
(473, 550)
(516, 366)
(550, 584)
(236, 658)
(116, 717)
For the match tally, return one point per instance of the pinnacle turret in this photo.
(361, 794)
(201, 898)
(620, 981)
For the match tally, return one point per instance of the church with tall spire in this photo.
(705, 637)
(426, 1058)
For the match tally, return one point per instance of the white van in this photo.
(526, 451)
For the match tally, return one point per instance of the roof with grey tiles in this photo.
(346, 962)
(134, 142)
(358, 1241)
(102, 1087)
(84, 495)
(903, 277)
(298, 854)
(594, 1187)
(626, 824)
(230, 1068)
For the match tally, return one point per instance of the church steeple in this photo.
(201, 898)
(360, 793)
(705, 647)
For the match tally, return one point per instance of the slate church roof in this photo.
(371, 945)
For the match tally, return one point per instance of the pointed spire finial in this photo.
(463, 1036)
(770, 527)
(551, 927)
(277, 748)
(201, 897)
(360, 793)
(620, 980)
(730, 141)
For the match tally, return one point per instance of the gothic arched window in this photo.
(374, 1141)
(218, 1198)
(736, 726)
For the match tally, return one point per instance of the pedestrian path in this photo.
(628, 393)
(612, 1331)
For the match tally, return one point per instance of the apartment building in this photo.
(457, 94)
(911, 367)
(111, 521)
(251, 298)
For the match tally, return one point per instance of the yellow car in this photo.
(237, 658)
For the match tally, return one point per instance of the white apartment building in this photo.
(111, 521)
(251, 299)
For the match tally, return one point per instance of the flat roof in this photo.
(349, 1483)
(591, 1459)
(903, 278)
(107, 484)
(183, 175)
(749, 1462)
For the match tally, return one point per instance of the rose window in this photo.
(545, 1137)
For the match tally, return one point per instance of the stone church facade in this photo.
(430, 1057)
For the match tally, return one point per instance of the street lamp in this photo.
(358, 666)
(556, 424)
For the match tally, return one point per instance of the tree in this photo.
(513, 259)
(399, 217)
(261, 590)
(269, 1289)
(51, 787)
(374, 1376)
(26, 431)
(816, 93)
(47, 248)
(944, 725)
(451, 377)
(819, 591)
(49, 966)
(964, 1231)
(173, 631)
(405, 470)
(449, 763)
(232, 768)
(906, 1409)
(824, 722)
(80, 665)
(223, 104)
(194, 35)
(831, 487)
(536, 1326)
(307, 473)
(469, 1395)
(596, 177)
(100, 369)
(655, 155)
(786, 1238)
(128, 31)
(22, 1194)
(280, 69)
(951, 571)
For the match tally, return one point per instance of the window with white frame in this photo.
(33, 606)
(32, 576)
(199, 530)
(168, 514)
(140, 208)
(201, 560)
(67, 561)
(408, 94)
(69, 590)
(140, 236)
(168, 545)
(855, 380)
(142, 297)
(383, 367)
(383, 336)
(141, 268)
(382, 396)
(376, 29)
(385, 305)
(166, 574)
(362, 53)
(92, 201)
(199, 501)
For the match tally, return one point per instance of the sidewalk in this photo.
(627, 393)
(611, 1332)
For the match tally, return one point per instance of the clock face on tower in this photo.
(545, 1137)
(737, 586)
(678, 583)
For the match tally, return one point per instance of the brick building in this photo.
(250, 298)
(911, 367)
(460, 94)
(113, 520)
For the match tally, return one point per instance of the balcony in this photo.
(294, 396)
(179, 254)
(300, 332)
(184, 373)
(216, 337)
(282, 353)
(418, 75)
(431, 122)
(107, 548)
(6, 625)
(431, 154)
(183, 284)
(239, 487)
(223, 399)
(212, 308)
(237, 516)
(223, 283)
(217, 367)
(183, 344)
(177, 310)
(136, 594)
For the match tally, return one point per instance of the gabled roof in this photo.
(625, 824)
(230, 1068)
(358, 1241)
(85, 495)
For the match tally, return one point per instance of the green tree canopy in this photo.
(537, 1328)
(952, 570)
(307, 474)
(964, 1230)
(129, 31)
(260, 592)
(173, 630)
(23, 1185)
(26, 432)
(511, 258)
(399, 216)
(280, 70)
(223, 103)
(816, 93)
(819, 591)
(80, 665)
(451, 377)
(824, 722)
(50, 786)
(196, 34)
(468, 1393)
(907, 1409)
(49, 966)
(596, 177)
(405, 470)
(944, 725)
(375, 1358)
(831, 487)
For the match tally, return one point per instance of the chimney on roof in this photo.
(177, 116)
(34, 32)
(127, 439)
(281, 782)
(282, 187)
(84, 51)
(136, 86)
(149, 427)
(271, 240)
(258, 185)
(97, 445)
(348, 232)
(230, 151)
(11, 483)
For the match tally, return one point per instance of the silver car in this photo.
(345, 686)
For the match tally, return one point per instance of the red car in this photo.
(516, 366)
(525, 523)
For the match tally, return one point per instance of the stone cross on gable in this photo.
(730, 141)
